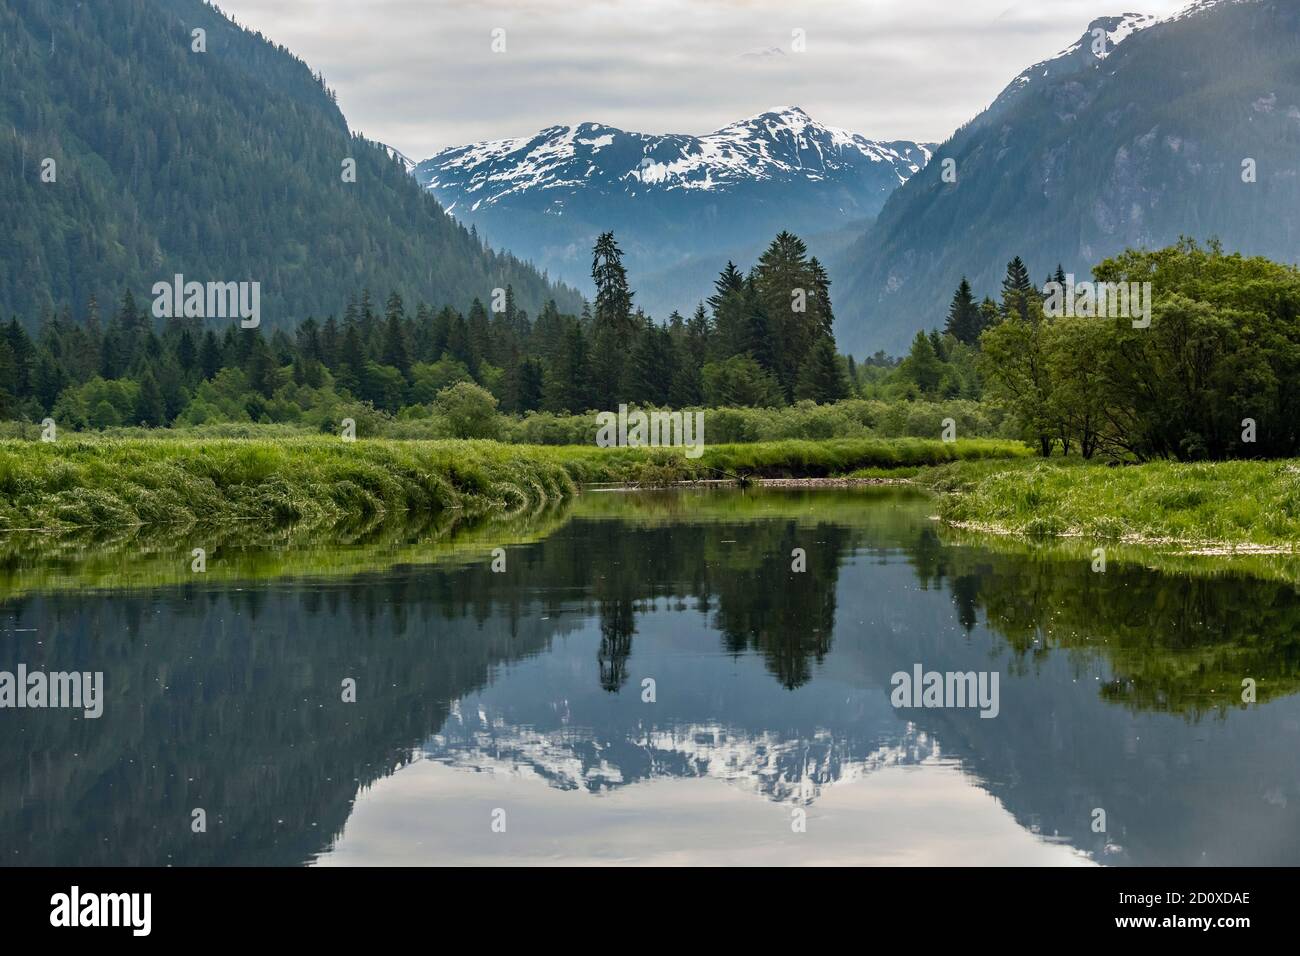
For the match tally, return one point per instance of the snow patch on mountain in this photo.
(1115, 31)
(1087, 51)
(782, 144)
(396, 154)
(1200, 6)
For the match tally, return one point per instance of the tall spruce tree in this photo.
(1017, 289)
(612, 333)
(795, 294)
(149, 407)
(964, 319)
(822, 378)
(396, 352)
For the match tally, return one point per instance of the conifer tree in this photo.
(209, 355)
(1017, 289)
(687, 385)
(964, 319)
(729, 281)
(149, 407)
(821, 378)
(479, 337)
(612, 338)
(330, 341)
(261, 366)
(351, 371)
(395, 351)
(651, 371)
(922, 367)
(529, 377)
(24, 358)
(795, 293)
(8, 400)
(48, 381)
(458, 343)
(186, 353)
(565, 388)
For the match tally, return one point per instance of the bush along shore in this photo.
(99, 482)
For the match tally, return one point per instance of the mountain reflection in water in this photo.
(523, 691)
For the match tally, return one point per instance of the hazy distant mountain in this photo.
(223, 164)
(680, 205)
(1130, 143)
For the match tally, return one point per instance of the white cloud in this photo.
(421, 75)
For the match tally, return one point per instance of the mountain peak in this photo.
(1115, 30)
(1200, 6)
(1097, 43)
(778, 117)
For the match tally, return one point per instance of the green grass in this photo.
(114, 482)
(780, 459)
(122, 482)
(1231, 503)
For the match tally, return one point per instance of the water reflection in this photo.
(479, 690)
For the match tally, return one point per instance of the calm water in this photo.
(518, 697)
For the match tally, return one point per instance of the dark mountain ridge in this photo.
(222, 165)
(1133, 148)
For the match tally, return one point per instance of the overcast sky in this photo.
(421, 75)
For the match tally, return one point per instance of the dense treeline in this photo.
(1214, 375)
(944, 365)
(764, 339)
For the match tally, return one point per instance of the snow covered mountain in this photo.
(783, 145)
(680, 205)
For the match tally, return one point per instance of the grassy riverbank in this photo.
(1196, 507)
(80, 483)
(984, 485)
(101, 482)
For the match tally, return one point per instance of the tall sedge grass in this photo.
(82, 482)
(79, 482)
